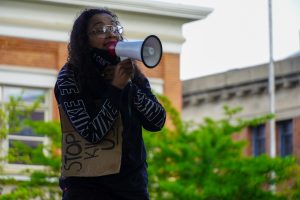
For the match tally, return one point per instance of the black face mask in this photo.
(101, 58)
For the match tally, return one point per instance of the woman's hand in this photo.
(123, 73)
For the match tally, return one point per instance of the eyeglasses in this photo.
(102, 31)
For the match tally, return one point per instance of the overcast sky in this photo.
(235, 35)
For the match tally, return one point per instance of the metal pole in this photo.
(271, 93)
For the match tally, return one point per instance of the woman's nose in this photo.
(111, 34)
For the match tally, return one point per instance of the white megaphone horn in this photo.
(149, 51)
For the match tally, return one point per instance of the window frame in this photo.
(43, 139)
(32, 78)
(285, 130)
(258, 135)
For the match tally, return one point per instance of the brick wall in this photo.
(245, 134)
(32, 53)
(296, 138)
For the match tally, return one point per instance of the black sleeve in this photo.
(93, 129)
(150, 111)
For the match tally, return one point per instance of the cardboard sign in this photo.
(81, 158)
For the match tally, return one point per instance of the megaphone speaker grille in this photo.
(151, 51)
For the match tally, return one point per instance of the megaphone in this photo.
(149, 51)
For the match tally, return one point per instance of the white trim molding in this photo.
(26, 76)
(153, 7)
(157, 85)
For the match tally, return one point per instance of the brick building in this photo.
(248, 88)
(33, 47)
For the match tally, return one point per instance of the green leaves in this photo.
(43, 184)
(204, 162)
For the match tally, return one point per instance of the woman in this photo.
(104, 103)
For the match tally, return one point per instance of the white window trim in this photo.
(23, 76)
(27, 76)
(28, 138)
(18, 169)
(157, 85)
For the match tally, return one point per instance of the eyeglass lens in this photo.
(104, 30)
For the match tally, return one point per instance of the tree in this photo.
(204, 162)
(42, 184)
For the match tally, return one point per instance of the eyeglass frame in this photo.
(118, 30)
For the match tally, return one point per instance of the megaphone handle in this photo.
(123, 58)
(129, 98)
(133, 65)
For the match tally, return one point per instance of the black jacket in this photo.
(138, 107)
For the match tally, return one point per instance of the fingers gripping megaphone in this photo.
(149, 51)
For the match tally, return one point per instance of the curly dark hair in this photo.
(79, 49)
(79, 59)
(78, 46)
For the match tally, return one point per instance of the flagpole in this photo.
(271, 92)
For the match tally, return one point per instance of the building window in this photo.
(285, 130)
(258, 140)
(21, 146)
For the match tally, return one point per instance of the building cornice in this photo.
(246, 88)
(287, 76)
(152, 7)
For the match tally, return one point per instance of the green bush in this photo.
(204, 162)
